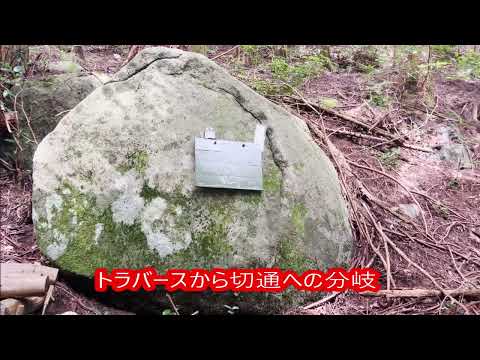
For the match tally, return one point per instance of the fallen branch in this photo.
(29, 124)
(391, 138)
(173, 304)
(416, 293)
(7, 120)
(401, 185)
(349, 118)
(226, 52)
(320, 302)
(355, 134)
(437, 202)
(47, 298)
(411, 262)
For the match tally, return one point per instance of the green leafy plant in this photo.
(378, 93)
(441, 210)
(266, 87)
(378, 99)
(444, 52)
(453, 184)
(364, 58)
(280, 68)
(390, 158)
(252, 51)
(328, 103)
(249, 49)
(469, 64)
(297, 73)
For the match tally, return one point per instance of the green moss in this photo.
(252, 197)
(212, 243)
(118, 245)
(137, 160)
(209, 232)
(148, 193)
(290, 256)
(207, 217)
(298, 218)
(290, 253)
(272, 180)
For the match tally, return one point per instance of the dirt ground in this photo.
(442, 238)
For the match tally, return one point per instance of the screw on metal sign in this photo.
(229, 164)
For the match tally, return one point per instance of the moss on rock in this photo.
(272, 179)
(137, 160)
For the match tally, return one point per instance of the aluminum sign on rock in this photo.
(228, 164)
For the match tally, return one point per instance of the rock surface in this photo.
(452, 149)
(412, 210)
(113, 184)
(44, 102)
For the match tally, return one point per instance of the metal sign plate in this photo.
(228, 164)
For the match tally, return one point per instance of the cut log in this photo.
(9, 269)
(23, 286)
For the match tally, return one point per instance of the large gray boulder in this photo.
(45, 102)
(113, 184)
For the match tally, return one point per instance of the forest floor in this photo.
(414, 203)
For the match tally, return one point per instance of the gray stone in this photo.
(451, 149)
(65, 66)
(410, 210)
(45, 103)
(113, 184)
(68, 313)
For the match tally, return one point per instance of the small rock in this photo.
(410, 210)
(450, 150)
(11, 307)
(49, 100)
(117, 56)
(68, 313)
(65, 67)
